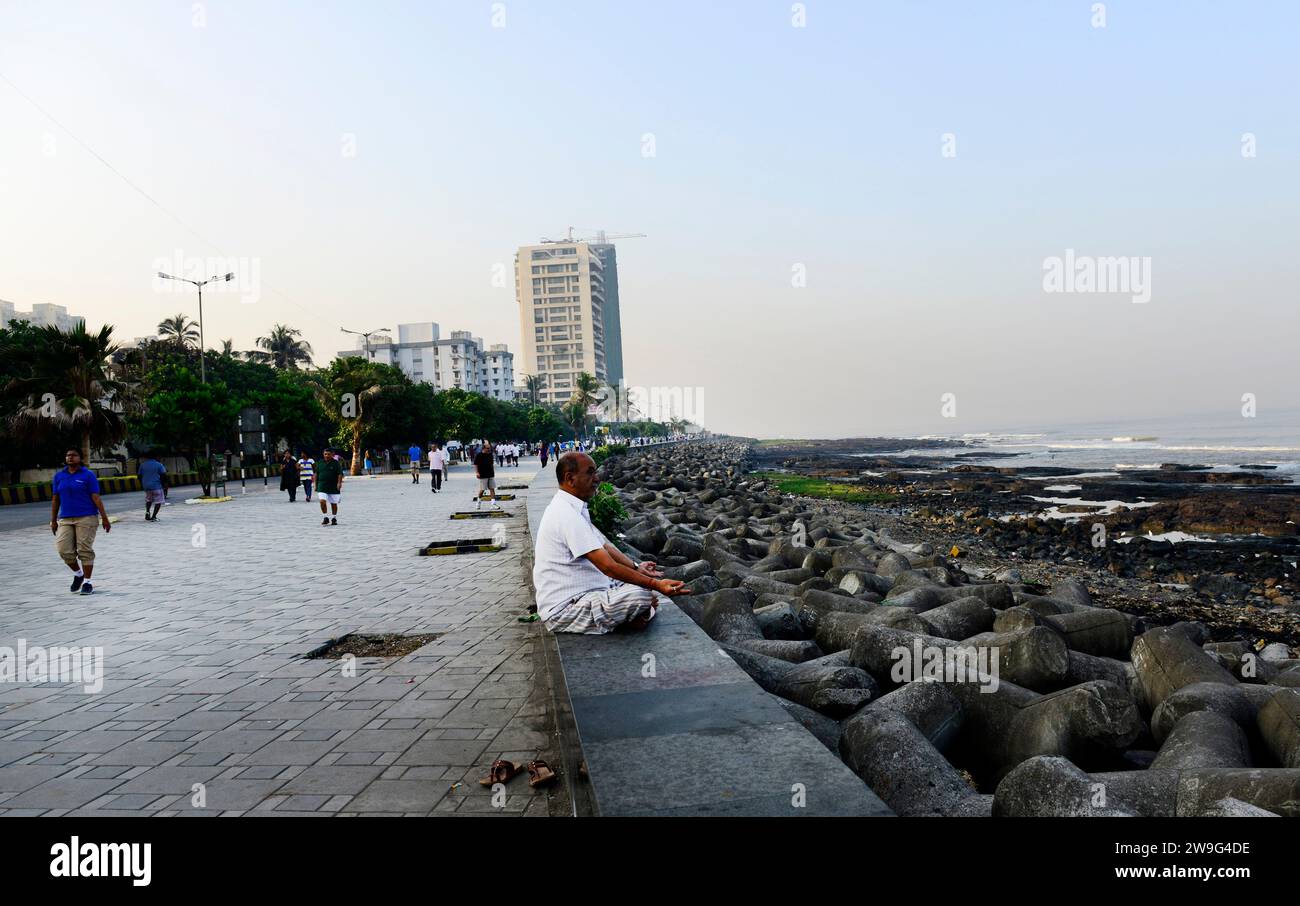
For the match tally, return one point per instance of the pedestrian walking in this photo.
(437, 463)
(543, 453)
(414, 453)
(370, 464)
(289, 475)
(151, 473)
(74, 506)
(306, 473)
(486, 472)
(329, 485)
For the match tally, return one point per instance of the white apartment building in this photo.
(41, 315)
(458, 361)
(560, 288)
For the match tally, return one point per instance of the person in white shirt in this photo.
(437, 463)
(584, 583)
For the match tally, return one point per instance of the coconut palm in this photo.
(282, 349)
(575, 414)
(179, 331)
(350, 387)
(70, 388)
(228, 348)
(534, 384)
(586, 390)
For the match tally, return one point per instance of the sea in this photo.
(1223, 442)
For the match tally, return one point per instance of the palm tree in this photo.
(355, 384)
(535, 384)
(282, 349)
(70, 388)
(228, 348)
(575, 414)
(180, 331)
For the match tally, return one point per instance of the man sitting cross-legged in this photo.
(584, 583)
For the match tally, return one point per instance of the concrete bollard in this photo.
(1014, 618)
(918, 599)
(1104, 633)
(1204, 739)
(900, 765)
(762, 584)
(931, 707)
(1167, 661)
(1220, 698)
(1279, 724)
(857, 581)
(825, 684)
(728, 616)
(994, 595)
(1052, 787)
(1085, 667)
(1087, 724)
(778, 621)
(958, 619)
(1035, 658)
(826, 729)
(1235, 808)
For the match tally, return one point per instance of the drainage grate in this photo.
(367, 645)
(461, 546)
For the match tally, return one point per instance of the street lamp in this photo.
(203, 366)
(203, 371)
(365, 335)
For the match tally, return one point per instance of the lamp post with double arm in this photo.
(203, 367)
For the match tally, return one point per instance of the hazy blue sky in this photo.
(774, 146)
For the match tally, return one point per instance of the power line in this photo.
(120, 175)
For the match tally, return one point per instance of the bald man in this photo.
(584, 583)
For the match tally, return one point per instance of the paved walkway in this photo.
(203, 618)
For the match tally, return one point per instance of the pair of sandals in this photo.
(502, 771)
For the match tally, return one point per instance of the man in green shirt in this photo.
(329, 484)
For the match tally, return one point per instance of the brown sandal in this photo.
(502, 771)
(539, 773)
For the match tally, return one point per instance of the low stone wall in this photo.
(668, 724)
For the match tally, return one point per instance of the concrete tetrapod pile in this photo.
(949, 693)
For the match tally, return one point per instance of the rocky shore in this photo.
(1238, 575)
(957, 687)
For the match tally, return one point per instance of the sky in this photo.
(849, 207)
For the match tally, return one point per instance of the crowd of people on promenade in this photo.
(77, 511)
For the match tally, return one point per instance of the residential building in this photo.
(460, 360)
(41, 315)
(567, 320)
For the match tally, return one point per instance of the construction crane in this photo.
(600, 238)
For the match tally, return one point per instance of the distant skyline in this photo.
(845, 221)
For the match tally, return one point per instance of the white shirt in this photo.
(561, 570)
(436, 459)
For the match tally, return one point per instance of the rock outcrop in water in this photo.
(951, 694)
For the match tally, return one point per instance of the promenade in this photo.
(208, 706)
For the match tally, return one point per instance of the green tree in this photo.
(182, 414)
(349, 391)
(67, 387)
(535, 384)
(180, 332)
(283, 348)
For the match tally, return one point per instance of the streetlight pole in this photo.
(365, 336)
(203, 361)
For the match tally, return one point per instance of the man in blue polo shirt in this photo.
(151, 473)
(76, 512)
(414, 453)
